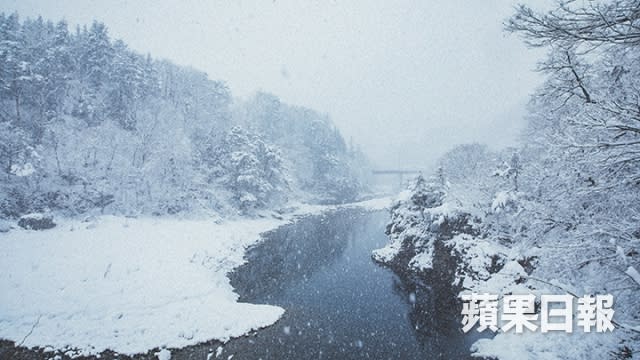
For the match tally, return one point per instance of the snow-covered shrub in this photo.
(17, 155)
(505, 201)
(36, 221)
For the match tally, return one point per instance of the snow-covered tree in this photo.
(101, 125)
(250, 168)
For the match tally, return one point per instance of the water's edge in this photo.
(313, 267)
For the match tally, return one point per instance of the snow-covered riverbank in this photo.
(452, 248)
(131, 285)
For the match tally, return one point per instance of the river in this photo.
(339, 303)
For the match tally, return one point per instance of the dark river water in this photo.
(339, 303)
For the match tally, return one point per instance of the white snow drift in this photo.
(127, 285)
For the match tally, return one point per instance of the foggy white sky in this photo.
(406, 79)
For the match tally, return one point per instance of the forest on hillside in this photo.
(87, 124)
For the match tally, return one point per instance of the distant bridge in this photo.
(399, 173)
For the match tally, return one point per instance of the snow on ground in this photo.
(380, 203)
(373, 204)
(131, 285)
(387, 253)
(548, 346)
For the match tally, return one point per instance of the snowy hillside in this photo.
(87, 125)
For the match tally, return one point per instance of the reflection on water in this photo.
(291, 254)
(339, 304)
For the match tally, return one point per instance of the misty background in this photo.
(406, 80)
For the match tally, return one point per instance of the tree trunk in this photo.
(18, 108)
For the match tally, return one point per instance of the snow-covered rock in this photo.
(163, 354)
(420, 219)
(36, 221)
